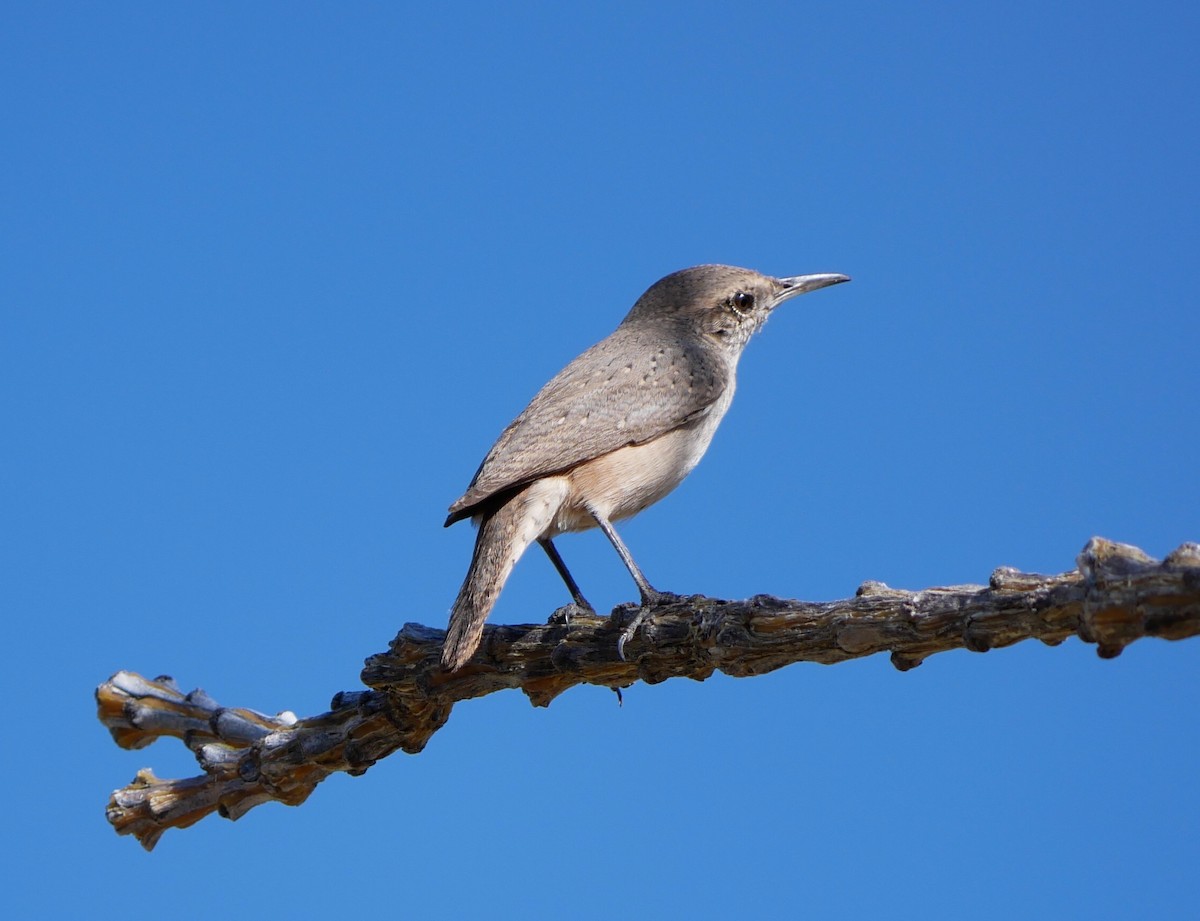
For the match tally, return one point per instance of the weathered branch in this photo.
(1115, 596)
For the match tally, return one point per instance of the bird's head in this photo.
(725, 303)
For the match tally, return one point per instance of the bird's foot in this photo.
(655, 597)
(562, 616)
(651, 597)
(629, 631)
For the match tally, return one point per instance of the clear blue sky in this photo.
(276, 275)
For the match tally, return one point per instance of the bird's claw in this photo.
(564, 614)
(650, 599)
(628, 632)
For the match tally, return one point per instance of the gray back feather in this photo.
(627, 389)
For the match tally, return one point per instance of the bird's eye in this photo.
(742, 301)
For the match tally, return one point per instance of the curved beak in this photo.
(802, 284)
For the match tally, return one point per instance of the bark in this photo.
(1117, 594)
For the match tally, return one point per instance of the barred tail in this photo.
(503, 536)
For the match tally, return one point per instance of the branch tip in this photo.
(1116, 595)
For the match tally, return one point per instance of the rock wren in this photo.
(613, 432)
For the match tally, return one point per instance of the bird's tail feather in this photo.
(503, 536)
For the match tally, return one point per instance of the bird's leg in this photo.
(572, 586)
(650, 595)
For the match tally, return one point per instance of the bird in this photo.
(613, 432)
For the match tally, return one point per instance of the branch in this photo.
(1116, 595)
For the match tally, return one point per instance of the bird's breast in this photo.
(625, 481)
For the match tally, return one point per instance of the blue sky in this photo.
(276, 276)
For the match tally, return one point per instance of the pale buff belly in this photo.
(622, 483)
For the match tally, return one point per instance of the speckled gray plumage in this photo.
(614, 431)
(626, 389)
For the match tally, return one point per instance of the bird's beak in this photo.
(802, 284)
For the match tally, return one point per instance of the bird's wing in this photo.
(627, 389)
